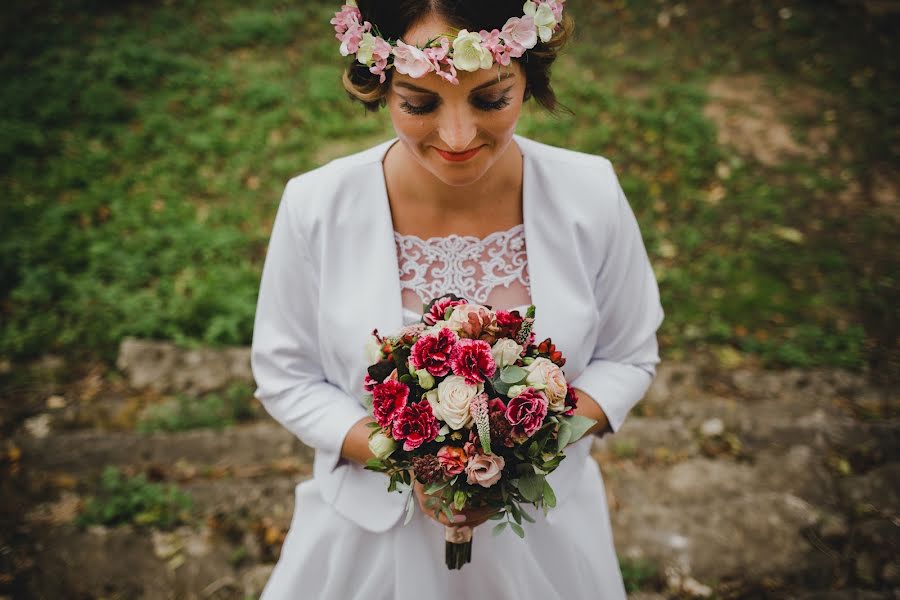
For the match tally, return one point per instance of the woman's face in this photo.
(456, 132)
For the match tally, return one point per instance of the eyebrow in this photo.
(503, 77)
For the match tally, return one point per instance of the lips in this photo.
(458, 156)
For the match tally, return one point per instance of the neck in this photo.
(418, 190)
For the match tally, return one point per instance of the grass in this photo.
(122, 499)
(144, 148)
(214, 411)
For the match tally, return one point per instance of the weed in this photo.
(123, 499)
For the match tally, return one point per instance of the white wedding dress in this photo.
(568, 555)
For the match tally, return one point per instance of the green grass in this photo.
(144, 147)
(214, 411)
(122, 499)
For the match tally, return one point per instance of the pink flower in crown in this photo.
(519, 34)
(433, 352)
(347, 17)
(453, 460)
(352, 37)
(556, 7)
(472, 360)
(440, 61)
(380, 54)
(410, 60)
(436, 313)
(388, 400)
(526, 412)
(415, 425)
(491, 42)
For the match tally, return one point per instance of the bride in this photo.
(456, 203)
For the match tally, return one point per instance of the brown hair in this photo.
(395, 17)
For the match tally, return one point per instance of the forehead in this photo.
(426, 29)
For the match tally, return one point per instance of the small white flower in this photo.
(543, 19)
(366, 49)
(381, 445)
(469, 54)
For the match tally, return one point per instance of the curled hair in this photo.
(395, 17)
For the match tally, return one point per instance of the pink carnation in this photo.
(526, 412)
(415, 425)
(472, 360)
(433, 352)
(388, 400)
(439, 308)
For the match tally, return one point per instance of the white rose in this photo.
(516, 390)
(373, 350)
(426, 379)
(469, 54)
(544, 375)
(506, 352)
(454, 396)
(381, 445)
(543, 19)
(366, 49)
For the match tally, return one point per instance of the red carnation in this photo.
(415, 425)
(571, 401)
(439, 308)
(526, 412)
(388, 399)
(472, 360)
(432, 352)
(509, 323)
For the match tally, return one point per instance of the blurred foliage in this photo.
(144, 148)
(234, 405)
(122, 499)
(640, 574)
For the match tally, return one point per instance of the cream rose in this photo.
(544, 375)
(506, 352)
(453, 398)
(381, 445)
(469, 54)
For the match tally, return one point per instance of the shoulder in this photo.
(553, 158)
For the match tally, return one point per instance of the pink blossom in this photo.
(439, 307)
(345, 18)
(472, 360)
(415, 425)
(493, 44)
(526, 412)
(352, 37)
(369, 383)
(388, 400)
(410, 60)
(484, 469)
(452, 459)
(519, 34)
(380, 54)
(556, 7)
(441, 63)
(433, 352)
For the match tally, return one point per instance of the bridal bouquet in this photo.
(470, 406)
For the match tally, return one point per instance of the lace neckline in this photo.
(465, 239)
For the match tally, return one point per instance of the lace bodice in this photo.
(492, 270)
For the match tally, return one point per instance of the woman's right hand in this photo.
(469, 517)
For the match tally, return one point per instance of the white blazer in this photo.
(331, 277)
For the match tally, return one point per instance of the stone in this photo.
(712, 428)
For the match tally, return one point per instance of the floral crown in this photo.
(466, 51)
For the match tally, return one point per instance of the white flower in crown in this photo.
(543, 17)
(469, 54)
(366, 49)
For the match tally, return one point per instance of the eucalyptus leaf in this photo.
(410, 509)
(564, 435)
(435, 487)
(498, 529)
(513, 374)
(579, 426)
(500, 387)
(526, 516)
(531, 487)
(518, 530)
(549, 495)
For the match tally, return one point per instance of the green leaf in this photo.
(526, 516)
(375, 464)
(579, 426)
(513, 374)
(518, 530)
(459, 499)
(563, 436)
(497, 516)
(447, 512)
(516, 513)
(498, 529)
(500, 387)
(531, 487)
(435, 487)
(549, 495)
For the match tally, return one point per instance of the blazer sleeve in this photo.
(626, 296)
(284, 357)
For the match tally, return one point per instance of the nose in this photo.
(457, 129)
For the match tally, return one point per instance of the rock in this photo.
(876, 489)
(712, 428)
(38, 426)
(165, 367)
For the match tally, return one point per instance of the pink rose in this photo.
(452, 459)
(432, 352)
(526, 412)
(472, 360)
(437, 310)
(388, 399)
(410, 60)
(415, 425)
(519, 34)
(484, 469)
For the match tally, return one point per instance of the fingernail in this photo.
(459, 518)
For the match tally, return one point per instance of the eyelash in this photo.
(480, 104)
